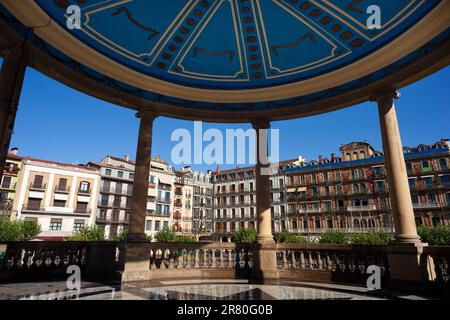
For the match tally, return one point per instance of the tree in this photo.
(122, 236)
(30, 229)
(245, 235)
(165, 235)
(286, 237)
(10, 230)
(88, 234)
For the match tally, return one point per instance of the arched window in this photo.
(362, 154)
(356, 223)
(330, 224)
(348, 156)
(355, 156)
(371, 223)
(435, 221)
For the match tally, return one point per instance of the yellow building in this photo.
(9, 181)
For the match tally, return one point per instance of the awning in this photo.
(165, 180)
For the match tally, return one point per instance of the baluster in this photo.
(310, 260)
(213, 258)
(196, 264)
(230, 259)
(284, 260)
(241, 259)
(302, 260)
(246, 259)
(188, 259)
(329, 262)
(293, 260)
(152, 259)
(205, 259)
(319, 261)
(170, 259)
(179, 259)
(221, 259)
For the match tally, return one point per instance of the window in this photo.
(425, 164)
(82, 207)
(6, 182)
(418, 221)
(104, 200)
(431, 198)
(409, 167)
(412, 183)
(148, 225)
(356, 223)
(414, 198)
(166, 224)
(84, 186)
(62, 184)
(443, 164)
(157, 225)
(330, 224)
(435, 221)
(131, 176)
(120, 174)
(78, 225)
(317, 223)
(108, 172)
(55, 224)
(59, 203)
(34, 204)
(37, 183)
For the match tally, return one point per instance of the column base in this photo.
(407, 239)
(405, 265)
(265, 263)
(264, 240)
(134, 260)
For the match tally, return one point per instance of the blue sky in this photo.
(57, 123)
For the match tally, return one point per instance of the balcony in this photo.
(310, 210)
(37, 187)
(426, 205)
(83, 211)
(33, 208)
(370, 207)
(62, 189)
(84, 192)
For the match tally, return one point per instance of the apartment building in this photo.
(235, 201)
(61, 197)
(350, 192)
(114, 201)
(8, 183)
(160, 206)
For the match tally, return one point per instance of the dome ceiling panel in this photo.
(229, 55)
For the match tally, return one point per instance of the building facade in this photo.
(235, 201)
(114, 200)
(160, 205)
(61, 197)
(8, 184)
(351, 193)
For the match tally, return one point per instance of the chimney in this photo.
(126, 158)
(14, 151)
(320, 159)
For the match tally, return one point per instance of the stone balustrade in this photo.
(50, 259)
(328, 262)
(436, 265)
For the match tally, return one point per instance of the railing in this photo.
(371, 207)
(426, 205)
(62, 189)
(438, 258)
(50, 259)
(38, 187)
(341, 263)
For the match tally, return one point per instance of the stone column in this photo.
(399, 193)
(139, 196)
(11, 81)
(264, 255)
(404, 255)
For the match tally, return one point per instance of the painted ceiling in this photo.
(236, 44)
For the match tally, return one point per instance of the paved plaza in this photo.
(196, 290)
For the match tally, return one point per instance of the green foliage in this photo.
(122, 236)
(286, 237)
(30, 229)
(88, 234)
(11, 230)
(165, 235)
(334, 236)
(371, 238)
(185, 239)
(245, 235)
(149, 238)
(435, 236)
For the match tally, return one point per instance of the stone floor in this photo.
(195, 290)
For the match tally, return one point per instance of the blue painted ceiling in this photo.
(237, 44)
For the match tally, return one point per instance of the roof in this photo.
(60, 164)
(367, 161)
(213, 59)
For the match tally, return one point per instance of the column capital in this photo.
(146, 114)
(385, 94)
(259, 124)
